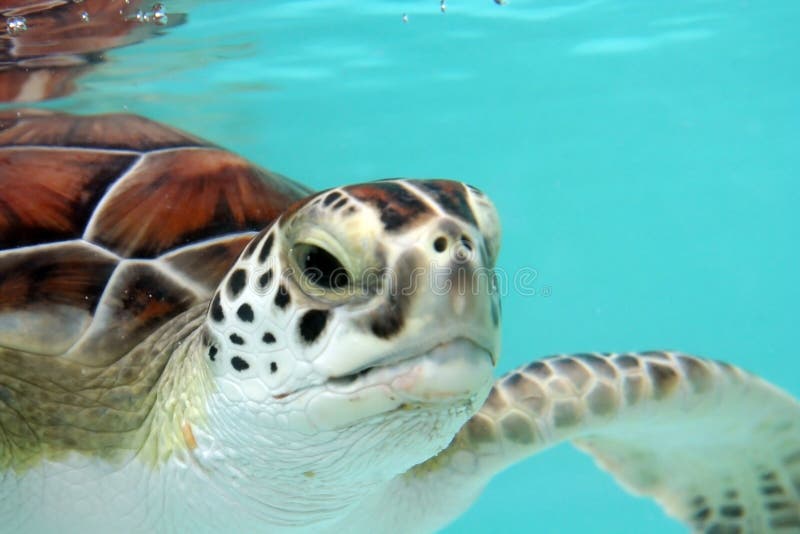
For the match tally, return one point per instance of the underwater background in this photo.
(644, 157)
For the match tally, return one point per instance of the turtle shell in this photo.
(112, 225)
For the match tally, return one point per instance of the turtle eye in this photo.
(321, 268)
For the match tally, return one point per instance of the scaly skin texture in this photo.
(717, 447)
(294, 397)
(57, 406)
(57, 484)
(226, 477)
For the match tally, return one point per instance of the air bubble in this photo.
(405, 18)
(16, 25)
(443, 6)
(158, 14)
(85, 17)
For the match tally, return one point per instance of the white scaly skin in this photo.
(283, 444)
(323, 448)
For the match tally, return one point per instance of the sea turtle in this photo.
(189, 343)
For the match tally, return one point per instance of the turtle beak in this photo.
(457, 372)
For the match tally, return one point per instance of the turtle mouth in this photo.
(393, 361)
(449, 368)
(452, 377)
(449, 375)
(442, 370)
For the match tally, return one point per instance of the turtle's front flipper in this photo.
(717, 447)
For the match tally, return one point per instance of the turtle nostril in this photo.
(440, 244)
(466, 242)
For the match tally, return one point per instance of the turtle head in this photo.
(365, 311)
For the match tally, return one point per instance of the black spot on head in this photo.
(265, 279)
(282, 297)
(251, 247)
(268, 338)
(779, 505)
(266, 248)
(331, 197)
(389, 318)
(312, 324)
(212, 353)
(273, 367)
(388, 322)
(245, 313)
(392, 219)
(451, 197)
(397, 205)
(404, 209)
(237, 339)
(772, 490)
(731, 510)
(702, 514)
(239, 363)
(236, 282)
(216, 310)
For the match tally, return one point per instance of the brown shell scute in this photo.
(72, 274)
(115, 131)
(113, 225)
(177, 197)
(52, 291)
(49, 195)
(205, 261)
(139, 299)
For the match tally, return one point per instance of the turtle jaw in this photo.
(454, 374)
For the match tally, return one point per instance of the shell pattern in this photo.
(112, 225)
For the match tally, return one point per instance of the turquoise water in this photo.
(644, 157)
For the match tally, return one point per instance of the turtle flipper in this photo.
(717, 447)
